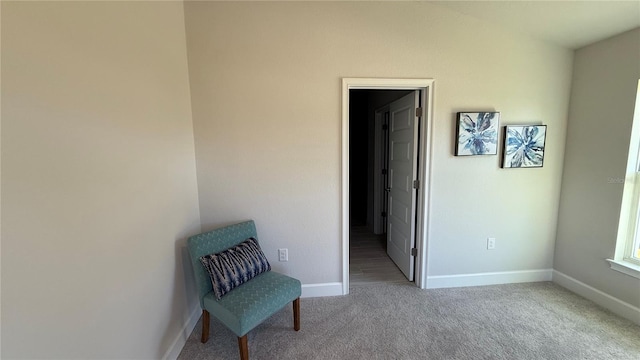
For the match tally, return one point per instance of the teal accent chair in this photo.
(249, 304)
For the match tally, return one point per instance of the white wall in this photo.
(603, 96)
(98, 179)
(266, 86)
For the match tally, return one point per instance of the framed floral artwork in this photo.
(524, 146)
(477, 133)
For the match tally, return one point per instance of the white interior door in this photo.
(403, 138)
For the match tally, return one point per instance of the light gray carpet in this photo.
(400, 321)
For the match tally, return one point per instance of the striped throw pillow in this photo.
(235, 266)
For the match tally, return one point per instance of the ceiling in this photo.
(570, 24)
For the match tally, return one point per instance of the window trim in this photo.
(625, 267)
(629, 223)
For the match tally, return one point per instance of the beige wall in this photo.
(266, 85)
(603, 95)
(98, 180)
(0, 182)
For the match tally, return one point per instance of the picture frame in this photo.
(477, 133)
(524, 146)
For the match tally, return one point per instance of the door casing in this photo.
(424, 175)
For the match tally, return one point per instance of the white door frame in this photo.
(424, 174)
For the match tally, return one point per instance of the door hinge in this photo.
(414, 252)
(385, 127)
(384, 171)
(384, 214)
(418, 112)
(416, 184)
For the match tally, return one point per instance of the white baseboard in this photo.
(181, 339)
(493, 278)
(601, 298)
(319, 290)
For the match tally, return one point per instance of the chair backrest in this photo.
(215, 241)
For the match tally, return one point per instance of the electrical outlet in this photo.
(491, 243)
(283, 255)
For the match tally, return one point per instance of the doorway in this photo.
(368, 228)
(370, 251)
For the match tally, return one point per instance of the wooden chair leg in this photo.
(296, 314)
(205, 326)
(244, 348)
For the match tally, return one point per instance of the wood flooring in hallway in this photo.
(368, 259)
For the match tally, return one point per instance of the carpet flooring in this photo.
(400, 321)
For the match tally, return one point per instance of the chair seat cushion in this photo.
(249, 304)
